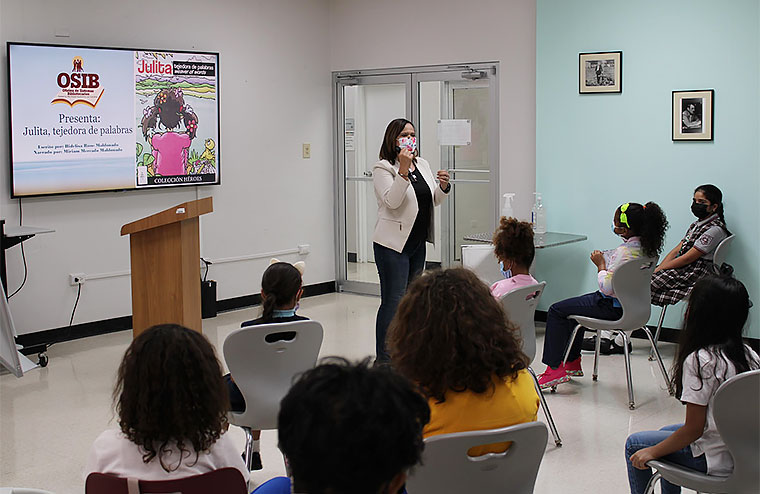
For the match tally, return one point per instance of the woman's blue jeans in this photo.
(396, 271)
(638, 479)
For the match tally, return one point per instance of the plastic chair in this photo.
(447, 468)
(719, 257)
(631, 282)
(222, 481)
(736, 409)
(264, 370)
(520, 307)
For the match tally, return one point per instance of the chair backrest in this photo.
(447, 468)
(721, 252)
(520, 306)
(222, 481)
(631, 282)
(481, 260)
(736, 408)
(264, 370)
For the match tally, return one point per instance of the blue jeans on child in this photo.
(396, 271)
(638, 479)
(559, 327)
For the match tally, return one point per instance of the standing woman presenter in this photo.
(407, 194)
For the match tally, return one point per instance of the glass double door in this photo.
(455, 113)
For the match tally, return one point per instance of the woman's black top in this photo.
(424, 204)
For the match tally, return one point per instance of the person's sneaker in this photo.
(255, 460)
(574, 368)
(615, 349)
(552, 377)
(589, 344)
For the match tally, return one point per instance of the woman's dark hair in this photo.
(169, 109)
(449, 333)
(350, 428)
(389, 149)
(169, 389)
(715, 196)
(715, 318)
(513, 240)
(647, 222)
(280, 284)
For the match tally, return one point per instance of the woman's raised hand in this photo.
(405, 158)
(443, 179)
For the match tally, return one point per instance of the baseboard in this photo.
(38, 341)
(669, 335)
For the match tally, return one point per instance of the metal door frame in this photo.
(489, 71)
(411, 77)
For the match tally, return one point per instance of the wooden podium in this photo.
(165, 259)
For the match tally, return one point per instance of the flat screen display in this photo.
(86, 119)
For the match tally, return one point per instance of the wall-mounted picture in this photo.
(600, 72)
(693, 115)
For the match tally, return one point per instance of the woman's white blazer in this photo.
(397, 204)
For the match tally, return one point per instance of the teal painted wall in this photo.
(594, 152)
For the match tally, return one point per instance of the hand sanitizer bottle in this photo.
(507, 210)
(538, 216)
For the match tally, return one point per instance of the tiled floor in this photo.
(49, 418)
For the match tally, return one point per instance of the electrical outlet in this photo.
(306, 148)
(303, 249)
(76, 279)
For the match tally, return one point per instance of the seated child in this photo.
(513, 247)
(172, 406)
(452, 339)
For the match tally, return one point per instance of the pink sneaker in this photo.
(552, 377)
(574, 368)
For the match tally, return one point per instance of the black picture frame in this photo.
(600, 72)
(692, 115)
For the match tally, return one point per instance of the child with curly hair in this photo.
(172, 407)
(170, 149)
(453, 340)
(513, 247)
(642, 228)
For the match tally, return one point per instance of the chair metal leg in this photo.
(659, 328)
(597, 349)
(652, 483)
(570, 343)
(248, 447)
(547, 413)
(656, 353)
(626, 342)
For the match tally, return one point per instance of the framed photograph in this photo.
(693, 115)
(600, 72)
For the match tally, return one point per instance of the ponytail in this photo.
(715, 196)
(149, 120)
(279, 285)
(649, 223)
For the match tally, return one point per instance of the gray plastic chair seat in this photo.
(520, 307)
(721, 252)
(631, 282)
(264, 371)
(448, 469)
(736, 409)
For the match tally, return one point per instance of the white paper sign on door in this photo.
(454, 132)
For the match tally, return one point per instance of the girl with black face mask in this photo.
(691, 259)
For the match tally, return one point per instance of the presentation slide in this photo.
(94, 119)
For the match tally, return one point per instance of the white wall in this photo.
(274, 95)
(367, 34)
